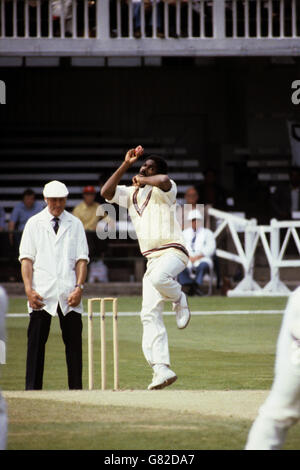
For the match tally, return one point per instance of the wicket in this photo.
(102, 301)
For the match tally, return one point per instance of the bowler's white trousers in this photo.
(159, 285)
(282, 406)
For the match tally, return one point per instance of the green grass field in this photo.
(215, 353)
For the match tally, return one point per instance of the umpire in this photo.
(54, 257)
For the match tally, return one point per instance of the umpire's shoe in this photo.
(183, 314)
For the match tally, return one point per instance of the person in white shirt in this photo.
(190, 203)
(201, 246)
(54, 257)
(3, 412)
(151, 203)
(281, 409)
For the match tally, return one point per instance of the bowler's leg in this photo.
(163, 276)
(155, 339)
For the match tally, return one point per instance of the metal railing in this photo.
(262, 18)
(274, 245)
(201, 27)
(163, 19)
(47, 18)
(82, 18)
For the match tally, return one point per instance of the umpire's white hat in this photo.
(195, 214)
(55, 189)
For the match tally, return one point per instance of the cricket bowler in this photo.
(150, 201)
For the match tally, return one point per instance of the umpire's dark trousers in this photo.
(37, 335)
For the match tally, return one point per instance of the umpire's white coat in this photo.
(54, 257)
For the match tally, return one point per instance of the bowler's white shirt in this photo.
(54, 257)
(153, 214)
(205, 244)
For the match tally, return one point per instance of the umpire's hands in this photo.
(75, 297)
(35, 300)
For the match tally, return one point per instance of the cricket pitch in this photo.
(222, 403)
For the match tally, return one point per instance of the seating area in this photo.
(80, 158)
(88, 156)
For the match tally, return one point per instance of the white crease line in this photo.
(194, 313)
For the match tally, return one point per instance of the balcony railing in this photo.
(149, 27)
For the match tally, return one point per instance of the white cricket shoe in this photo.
(183, 314)
(162, 378)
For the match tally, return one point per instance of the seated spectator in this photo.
(201, 246)
(63, 8)
(184, 17)
(190, 203)
(148, 18)
(286, 199)
(21, 213)
(98, 272)
(2, 219)
(86, 210)
(3, 235)
(210, 191)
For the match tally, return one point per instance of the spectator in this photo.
(2, 219)
(286, 199)
(54, 257)
(21, 213)
(4, 247)
(63, 8)
(191, 198)
(148, 18)
(210, 192)
(98, 272)
(86, 210)
(201, 246)
(183, 31)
